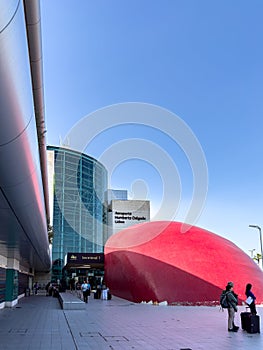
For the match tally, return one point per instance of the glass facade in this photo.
(79, 184)
(115, 194)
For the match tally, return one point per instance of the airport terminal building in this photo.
(85, 213)
(77, 184)
(123, 212)
(24, 208)
(126, 213)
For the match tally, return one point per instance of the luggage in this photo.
(250, 323)
(253, 324)
(244, 319)
(109, 296)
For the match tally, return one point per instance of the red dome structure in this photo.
(167, 261)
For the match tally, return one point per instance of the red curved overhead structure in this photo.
(159, 261)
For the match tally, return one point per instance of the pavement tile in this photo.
(38, 322)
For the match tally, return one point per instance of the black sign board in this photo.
(85, 258)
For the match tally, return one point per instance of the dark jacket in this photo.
(232, 300)
(250, 294)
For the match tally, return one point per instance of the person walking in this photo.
(104, 294)
(251, 305)
(232, 302)
(85, 287)
(36, 287)
(98, 291)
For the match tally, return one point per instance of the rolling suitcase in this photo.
(253, 324)
(244, 319)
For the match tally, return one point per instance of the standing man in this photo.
(85, 287)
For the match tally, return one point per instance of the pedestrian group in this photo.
(247, 318)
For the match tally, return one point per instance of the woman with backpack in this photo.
(232, 306)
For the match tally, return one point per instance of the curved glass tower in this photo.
(77, 183)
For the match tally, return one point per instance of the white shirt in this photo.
(84, 287)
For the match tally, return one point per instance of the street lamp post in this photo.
(252, 252)
(260, 237)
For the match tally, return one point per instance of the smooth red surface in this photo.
(156, 261)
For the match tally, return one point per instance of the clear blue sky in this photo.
(201, 60)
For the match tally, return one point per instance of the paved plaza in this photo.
(38, 322)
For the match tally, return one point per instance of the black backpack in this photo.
(223, 300)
